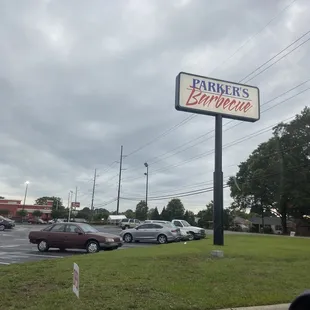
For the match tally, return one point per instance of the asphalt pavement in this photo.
(15, 247)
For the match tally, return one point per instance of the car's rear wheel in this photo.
(2, 227)
(162, 239)
(43, 246)
(92, 246)
(127, 238)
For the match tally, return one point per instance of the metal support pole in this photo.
(26, 191)
(147, 184)
(119, 180)
(218, 231)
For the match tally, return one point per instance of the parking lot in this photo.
(15, 246)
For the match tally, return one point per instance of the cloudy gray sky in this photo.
(80, 78)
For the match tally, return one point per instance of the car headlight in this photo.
(109, 240)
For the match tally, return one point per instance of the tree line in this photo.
(275, 178)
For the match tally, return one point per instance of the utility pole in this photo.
(119, 180)
(147, 182)
(93, 195)
(69, 207)
(75, 199)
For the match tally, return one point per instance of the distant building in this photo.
(115, 219)
(13, 205)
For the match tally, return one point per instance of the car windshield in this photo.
(186, 224)
(169, 225)
(88, 229)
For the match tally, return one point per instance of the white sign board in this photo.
(203, 95)
(76, 280)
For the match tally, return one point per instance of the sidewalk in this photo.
(271, 307)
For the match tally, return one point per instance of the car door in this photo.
(154, 231)
(74, 238)
(141, 232)
(55, 236)
(147, 232)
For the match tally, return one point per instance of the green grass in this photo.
(256, 270)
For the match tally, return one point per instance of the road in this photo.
(15, 247)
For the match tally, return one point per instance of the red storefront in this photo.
(13, 205)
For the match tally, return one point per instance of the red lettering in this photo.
(204, 99)
(248, 107)
(193, 96)
(226, 103)
(232, 105)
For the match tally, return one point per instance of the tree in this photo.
(59, 213)
(1, 197)
(85, 213)
(37, 213)
(129, 214)
(155, 214)
(206, 217)
(101, 213)
(141, 211)
(175, 209)
(164, 215)
(189, 216)
(4, 212)
(57, 202)
(275, 179)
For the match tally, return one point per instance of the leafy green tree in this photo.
(57, 202)
(175, 209)
(85, 213)
(1, 197)
(101, 213)
(275, 179)
(155, 214)
(130, 214)
(4, 212)
(141, 211)
(59, 213)
(189, 216)
(164, 216)
(37, 213)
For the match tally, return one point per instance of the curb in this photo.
(270, 307)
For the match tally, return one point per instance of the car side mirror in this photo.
(137, 228)
(80, 233)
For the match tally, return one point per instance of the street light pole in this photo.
(69, 207)
(147, 182)
(26, 191)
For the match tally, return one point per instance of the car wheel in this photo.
(92, 247)
(162, 239)
(43, 246)
(2, 227)
(191, 236)
(127, 238)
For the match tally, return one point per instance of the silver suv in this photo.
(129, 223)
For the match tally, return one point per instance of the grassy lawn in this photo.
(256, 270)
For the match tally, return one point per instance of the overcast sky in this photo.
(78, 79)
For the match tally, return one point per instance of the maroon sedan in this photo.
(74, 236)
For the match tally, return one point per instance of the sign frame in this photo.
(211, 113)
(218, 188)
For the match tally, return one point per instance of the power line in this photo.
(105, 203)
(187, 119)
(204, 190)
(159, 157)
(234, 142)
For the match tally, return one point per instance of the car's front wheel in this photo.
(191, 236)
(92, 247)
(2, 227)
(43, 246)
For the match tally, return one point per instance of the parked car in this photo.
(36, 221)
(74, 236)
(151, 232)
(195, 233)
(185, 235)
(6, 223)
(53, 221)
(129, 223)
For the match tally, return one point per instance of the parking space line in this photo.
(43, 255)
(11, 245)
(2, 263)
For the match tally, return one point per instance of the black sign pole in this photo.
(218, 231)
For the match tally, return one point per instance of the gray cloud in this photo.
(78, 80)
